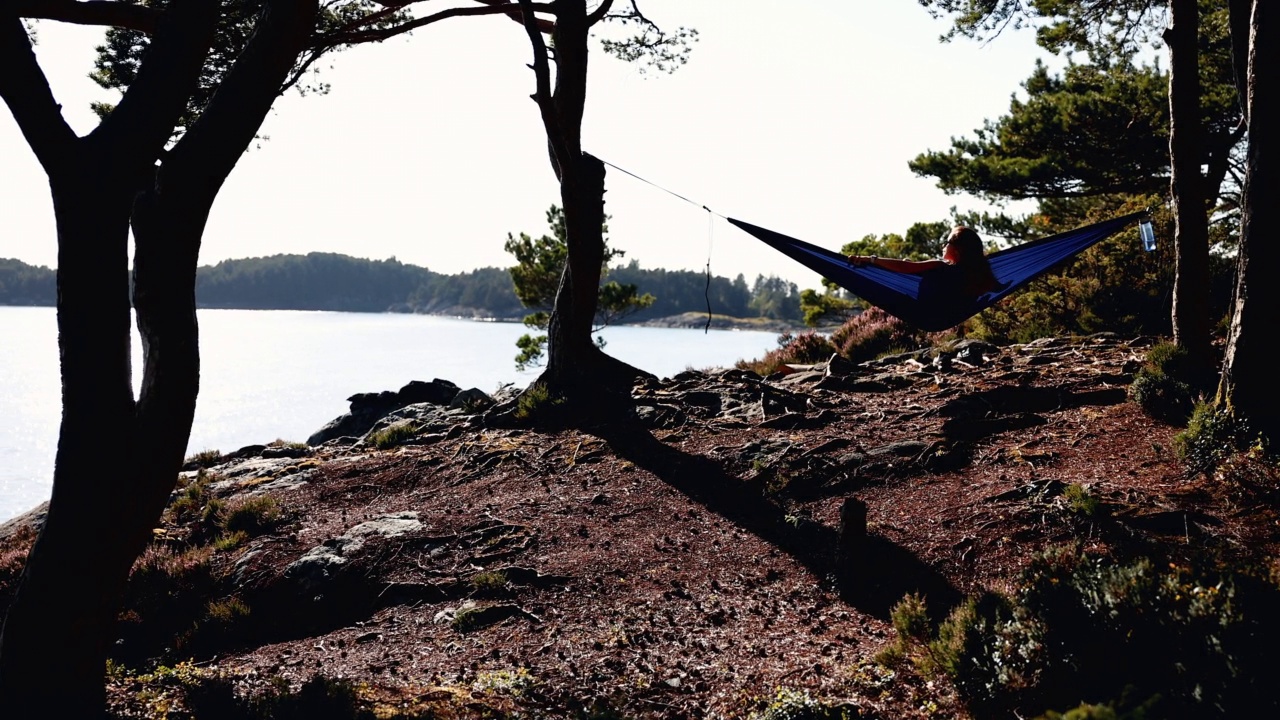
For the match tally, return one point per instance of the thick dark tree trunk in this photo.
(576, 368)
(1248, 372)
(53, 646)
(117, 460)
(56, 633)
(569, 342)
(1191, 233)
(168, 225)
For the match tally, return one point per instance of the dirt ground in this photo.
(688, 567)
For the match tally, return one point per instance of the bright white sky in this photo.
(797, 116)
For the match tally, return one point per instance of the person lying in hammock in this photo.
(963, 273)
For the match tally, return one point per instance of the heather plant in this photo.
(192, 497)
(165, 597)
(806, 348)
(874, 333)
(1175, 640)
(252, 516)
(13, 558)
(204, 459)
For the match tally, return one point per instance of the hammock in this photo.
(899, 293)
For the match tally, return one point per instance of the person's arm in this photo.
(912, 267)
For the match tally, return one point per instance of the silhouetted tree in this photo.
(118, 456)
(576, 368)
(54, 644)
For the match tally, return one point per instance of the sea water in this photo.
(280, 374)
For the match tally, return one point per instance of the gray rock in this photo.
(285, 452)
(33, 518)
(322, 563)
(368, 408)
(471, 400)
(974, 352)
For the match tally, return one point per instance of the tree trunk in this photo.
(118, 461)
(1191, 229)
(576, 368)
(569, 342)
(1248, 370)
(57, 631)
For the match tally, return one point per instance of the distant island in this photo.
(335, 282)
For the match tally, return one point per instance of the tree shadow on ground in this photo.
(882, 575)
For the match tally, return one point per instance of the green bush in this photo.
(1080, 501)
(252, 516)
(1166, 385)
(1169, 359)
(537, 402)
(1181, 641)
(393, 435)
(1212, 435)
(1162, 397)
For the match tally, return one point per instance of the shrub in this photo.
(1080, 501)
(1187, 641)
(226, 612)
(164, 600)
(13, 559)
(537, 402)
(874, 333)
(1211, 436)
(806, 348)
(1169, 359)
(467, 619)
(393, 435)
(1165, 385)
(489, 583)
(319, 698)
(910, 618)
(204, 458)
(192, 497)
(1162, 397)
(252, 516)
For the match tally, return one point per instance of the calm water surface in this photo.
(269, 374)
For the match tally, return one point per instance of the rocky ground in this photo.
(686, 564)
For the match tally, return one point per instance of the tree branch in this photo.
(209, 150)
(26, 91)
(345, 37)
(542, 88)
(599, 13)
(514, 13)
(89, 12)
(143, 120)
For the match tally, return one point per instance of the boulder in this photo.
(368, 408)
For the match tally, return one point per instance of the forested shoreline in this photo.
(335, 282)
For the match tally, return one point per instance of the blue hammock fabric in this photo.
(900, 293)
